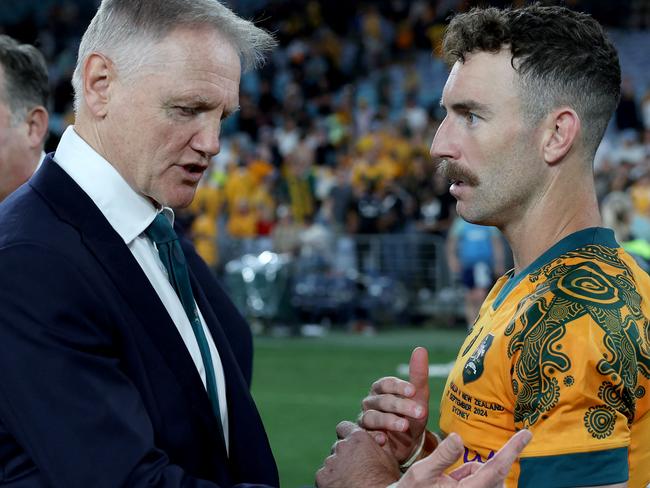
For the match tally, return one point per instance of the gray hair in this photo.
(127, 31)
(25, 77)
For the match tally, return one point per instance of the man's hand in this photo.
(357, 461)
(399, 408)
(429, 472)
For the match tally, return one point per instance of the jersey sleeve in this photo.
(574, 377)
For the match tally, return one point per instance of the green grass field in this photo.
(304, 387)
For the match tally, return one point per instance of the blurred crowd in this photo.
(333, 133)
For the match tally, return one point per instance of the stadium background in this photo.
(326, 168)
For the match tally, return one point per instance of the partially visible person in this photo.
(475, 256)
(436, 212)
(645, 110)
(286, 233)
(620, 215)
(627, 112)
(24, 92)
(122, 361)
(203, 214)
(639, 192)
(562, 343)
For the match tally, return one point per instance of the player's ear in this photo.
(562, 128)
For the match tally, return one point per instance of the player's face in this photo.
(165, 121)
(486, 149)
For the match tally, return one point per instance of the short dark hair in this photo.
(563, 57)
(25, 77)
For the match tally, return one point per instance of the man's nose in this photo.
(444, 144)
(206, 141)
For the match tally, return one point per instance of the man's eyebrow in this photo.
(468, 106)
(199, 103)
(195, 101)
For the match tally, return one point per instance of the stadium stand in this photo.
(331, 146)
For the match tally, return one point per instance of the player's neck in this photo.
(554, 218)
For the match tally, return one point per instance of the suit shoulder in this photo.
(26, 217)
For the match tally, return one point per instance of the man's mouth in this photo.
(195, 168)
(193, 172)
(456, 175)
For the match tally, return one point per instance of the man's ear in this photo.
(562, 132)
(37, 123)
(98, 75)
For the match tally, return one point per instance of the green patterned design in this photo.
(565, 293)
(600, 421)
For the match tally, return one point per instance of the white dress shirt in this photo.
(130, 213)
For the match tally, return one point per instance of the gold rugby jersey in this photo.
(561, 349)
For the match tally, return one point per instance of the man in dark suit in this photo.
(24, 91)
(122, 363)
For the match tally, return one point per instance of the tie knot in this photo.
(160, 230)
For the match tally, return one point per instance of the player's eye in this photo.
(471, 118)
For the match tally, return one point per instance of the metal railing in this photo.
(395, 278)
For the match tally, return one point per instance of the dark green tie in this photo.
(171, 254)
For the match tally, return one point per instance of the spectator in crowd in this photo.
(645, 110)
(203, 215)
(416, 117)
(627, 112)
(24, 92)
(138, 357)
(340, 201)
(562, 343)
(639, 192)
(299, 182)
(475, 255)
(436, 207)
(242, 224)
(619, 215)
(286, 232)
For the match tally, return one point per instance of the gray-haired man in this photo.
(122, 362)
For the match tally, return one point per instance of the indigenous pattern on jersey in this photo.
(561, 349)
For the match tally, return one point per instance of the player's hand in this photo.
(399, 409)
(357, 461)
(429, 472)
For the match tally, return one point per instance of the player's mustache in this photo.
(454, 172)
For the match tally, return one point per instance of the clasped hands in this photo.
(389, 431)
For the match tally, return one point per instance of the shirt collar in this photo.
(598, 236)
(40, 161)
(126, 210)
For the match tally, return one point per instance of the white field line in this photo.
(440, 370)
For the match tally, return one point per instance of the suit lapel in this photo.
(230, 368)
(74, 206)
(231, 371)
(246, 433)
(248, 439)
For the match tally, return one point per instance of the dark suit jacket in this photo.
(97, 388)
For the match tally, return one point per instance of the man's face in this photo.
(163, 123)
(486, 149)
(17, 163)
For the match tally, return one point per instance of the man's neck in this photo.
(556, 216)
